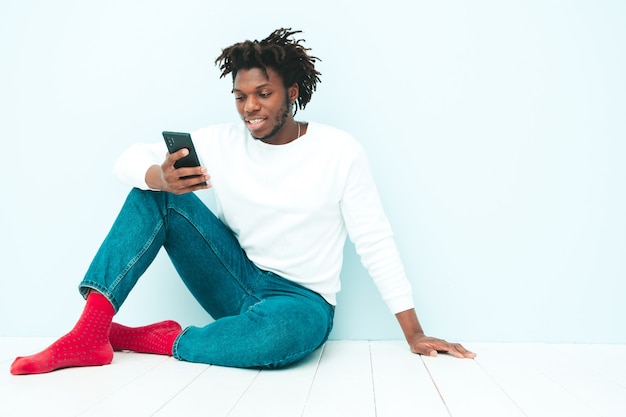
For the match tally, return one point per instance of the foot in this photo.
(157, 338)
(67, 352)
(87, 344)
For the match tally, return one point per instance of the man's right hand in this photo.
(165, 177)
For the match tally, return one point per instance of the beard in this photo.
(279, 121)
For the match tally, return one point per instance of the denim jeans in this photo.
(261, 319)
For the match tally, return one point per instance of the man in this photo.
(267, 266)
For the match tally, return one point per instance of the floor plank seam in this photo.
(317, 367)
(177, 393)
(243, 394)
(550, 377)
(130, 381)
(432, 379)
(500, 387)
(595, 370)
(369, 345)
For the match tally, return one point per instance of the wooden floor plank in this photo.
(215, 392)
(146, 394)
(67, 392)
(343, 383)
(607, 360)
(467, 390)
(279, 393)
(604, 395)
(533, 391)
(402, 385)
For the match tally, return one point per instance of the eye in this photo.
(240, 98)
(265, 94)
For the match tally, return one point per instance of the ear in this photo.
(293, 92)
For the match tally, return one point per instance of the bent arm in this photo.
(142, 166)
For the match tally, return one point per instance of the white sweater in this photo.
(291, 206)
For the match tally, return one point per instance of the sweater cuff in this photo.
(400, 303)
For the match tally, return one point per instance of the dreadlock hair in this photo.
(286, 56)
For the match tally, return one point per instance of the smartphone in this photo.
(176, 141)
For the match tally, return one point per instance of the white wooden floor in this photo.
(345, 378)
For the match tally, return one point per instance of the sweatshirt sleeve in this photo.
(370, 231)
(132, 165)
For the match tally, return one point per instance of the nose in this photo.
(251, 104)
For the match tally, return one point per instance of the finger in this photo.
(454, 352)
(201, 186)
(181, 153)
(466, 353)
(171, 158)
(443, 346)
(192, 172)
(193, 180)
(193, 183)
(179, 190)
(424, 350)
(167, 166)
(458, 351)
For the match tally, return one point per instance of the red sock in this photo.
(155, 338)
(87, 344)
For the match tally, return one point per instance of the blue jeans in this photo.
(261, 319)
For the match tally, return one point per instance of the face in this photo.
(264, 104)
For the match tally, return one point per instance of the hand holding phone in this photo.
(176, 141)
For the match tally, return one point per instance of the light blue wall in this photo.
(496, 131)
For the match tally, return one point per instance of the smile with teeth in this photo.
(255, 124)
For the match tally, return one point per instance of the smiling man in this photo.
(266, 265)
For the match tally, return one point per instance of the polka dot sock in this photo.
(155, 338)
(87, 344)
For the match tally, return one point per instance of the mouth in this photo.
(255, 124)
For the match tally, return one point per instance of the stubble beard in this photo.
(279, 122)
